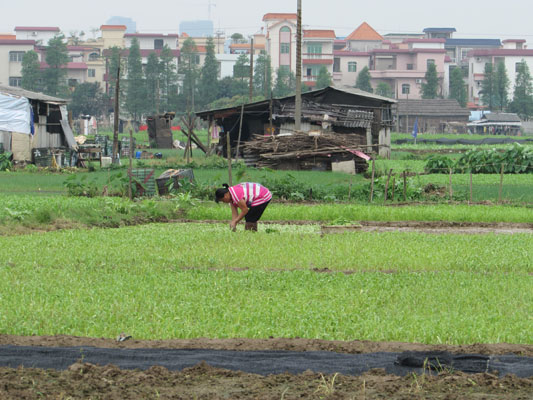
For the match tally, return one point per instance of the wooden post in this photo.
(450, 185)
(372, 183)
(404, 185)
(209, 133)
(393, 187)
(239, 138)
(387, 184)
(130, 193)
(228, 150)
(270, 115)
(470, 187)
(115, 116)
(501, 185)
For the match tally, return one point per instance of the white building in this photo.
(512, 54)
(11, 53)
(41, 34)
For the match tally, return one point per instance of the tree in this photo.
(363, 81)
(458, 87)
(209, 75)
(88, 99)
(136, 90)
(114, 61)
(285, 83)
(168, 81)
(237, 38)
(487, 86)
(241, 73)
(263, 75)
(522, 103)
(189, 69)
(56, 58)
(324, 78)
(384, 89)
(431, 86)
(501, 87)
(152, 74)
(31, 71)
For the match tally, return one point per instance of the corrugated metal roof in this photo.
(431, 107)
(501, 117)
(16, 91)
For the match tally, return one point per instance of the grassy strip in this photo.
(68, 283)
(360, 212)
(214, 246)
(41, 212)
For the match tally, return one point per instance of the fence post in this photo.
(404, 185)
(387, 185)
(501, 184)
(372, 184)
(450, 188)
(393, 186)
(470, 187)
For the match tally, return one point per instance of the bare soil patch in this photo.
(202, 381)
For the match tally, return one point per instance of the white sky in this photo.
(511, 19)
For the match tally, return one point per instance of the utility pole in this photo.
(251, 69)
(298, 97)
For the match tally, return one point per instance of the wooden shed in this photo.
(434, 116)
(365, 118)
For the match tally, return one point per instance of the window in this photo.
(517, 66)
(314, 50)
(158, 44)
(430, 62)
(196, 59)
(15, 81)
(94, 56)
(410, 67)
(406, 88)
(336, 64)
(16, 56)
(285, 48)
(464, 53)
(91, 73)
(352, 66)
(285, 29)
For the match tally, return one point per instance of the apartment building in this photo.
(11, 53)
(40, 34)
(512, 54)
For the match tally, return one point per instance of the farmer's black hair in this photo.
(219, 193)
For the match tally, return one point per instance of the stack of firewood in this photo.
(270, 151)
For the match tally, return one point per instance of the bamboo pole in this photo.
(228, 149)
(450, 185)
(387, 185)
(130, 192)
(372, 183)
(239, 137)
(501, 185)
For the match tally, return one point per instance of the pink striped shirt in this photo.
(253, 194)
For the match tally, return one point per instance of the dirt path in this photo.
(83, 380)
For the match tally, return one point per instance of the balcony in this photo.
(317, 58)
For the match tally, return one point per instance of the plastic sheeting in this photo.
(15, 114)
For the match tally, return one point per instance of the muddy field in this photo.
(82, 380)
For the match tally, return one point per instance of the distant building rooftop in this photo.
(440, 30)
(474, 42)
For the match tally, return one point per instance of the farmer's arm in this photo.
(236, 216)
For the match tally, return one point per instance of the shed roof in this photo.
(432, 108)
(501, 117)
(16, 91)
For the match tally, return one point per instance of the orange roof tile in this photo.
(364, 32)
(320, 33)
(113, 27)
(201, 49)
(271, 16)
(184, 35)
(8, 37)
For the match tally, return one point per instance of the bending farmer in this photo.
(247, 200)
